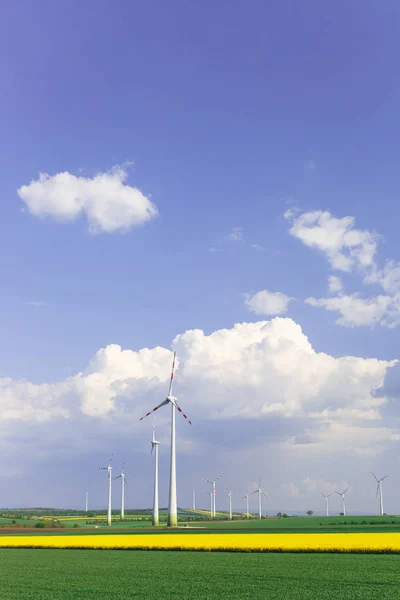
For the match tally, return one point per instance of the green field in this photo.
(112, 575)
(271, 525)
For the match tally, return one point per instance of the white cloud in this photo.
(257, 247)
(311, 164)
(355, 311)
(267, 303)
(236, 234)
(213, 249)
(345, 247)
(252, 371)
(107, 202)
(36, 303)
(349, 249)
(335, 284)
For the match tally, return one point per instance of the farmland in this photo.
(78, 575)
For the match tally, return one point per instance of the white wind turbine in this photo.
(172, 506)
(194, 500)
(109, 473)
(327, 502)
(343, 500)
(230, 492)
(123, 483)
(260, 493)
(154, 446)
(211, 503)
(214, 491)
(380, 490)
(86, 501)
(247, 504)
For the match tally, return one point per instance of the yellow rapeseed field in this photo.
(255, 542)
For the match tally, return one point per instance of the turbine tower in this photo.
(247, 504)
(230, 492)
(260, 493)
(86, 501)
(172, 506)
(109, 473)
(380, 490)
(327, 502)
(194, 500)
(154, 446)
(343, 501)
(123, 483)
(211, 503)
(214, 491)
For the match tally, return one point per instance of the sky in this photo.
(220, 179)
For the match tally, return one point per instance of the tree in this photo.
(310, 512)
(279, 514)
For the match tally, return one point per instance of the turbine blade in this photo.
(154, 409)
(219, 476)
(172, 375)
(384, 477)
(374, 475)
(182, 413)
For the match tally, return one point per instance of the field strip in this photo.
(255, 542)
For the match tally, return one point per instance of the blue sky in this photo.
(232, 113)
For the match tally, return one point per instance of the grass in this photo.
(111, 575)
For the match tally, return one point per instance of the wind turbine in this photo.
(172, 508)
(86, 501)
(260, 493)
(230, 492)
(343, 501)
(154, 446)
(109, 473)
(247, 504)
(194, 500)
(123, 483)
(214, 491)
(211, 500)
(327, 502)
(379, 489)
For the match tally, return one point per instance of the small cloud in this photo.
(236, 235)
(257, 247)
(267, 303)
(214, 249)
(311, 164)
(37, 303)
(335, 284)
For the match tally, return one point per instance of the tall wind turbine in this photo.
(86, 501)
(260, 493)
(123, 483)
(380, 490)
(230, 492)
(247, 504)
(172, 507)
(343, 501)
(109, 473)
(154, 446)
(214, 491)
(327, 502)
(194, 500)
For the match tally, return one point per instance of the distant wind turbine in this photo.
(260, 493)
(109, 473)
(230, 492)
(214, 491)
(343, 500)
(172, 505)
(327, 502)
(154, 446)
(123, 483)
(380, 490)
(86, 501)
(247, 504)
(211, 502)
(194, 500)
